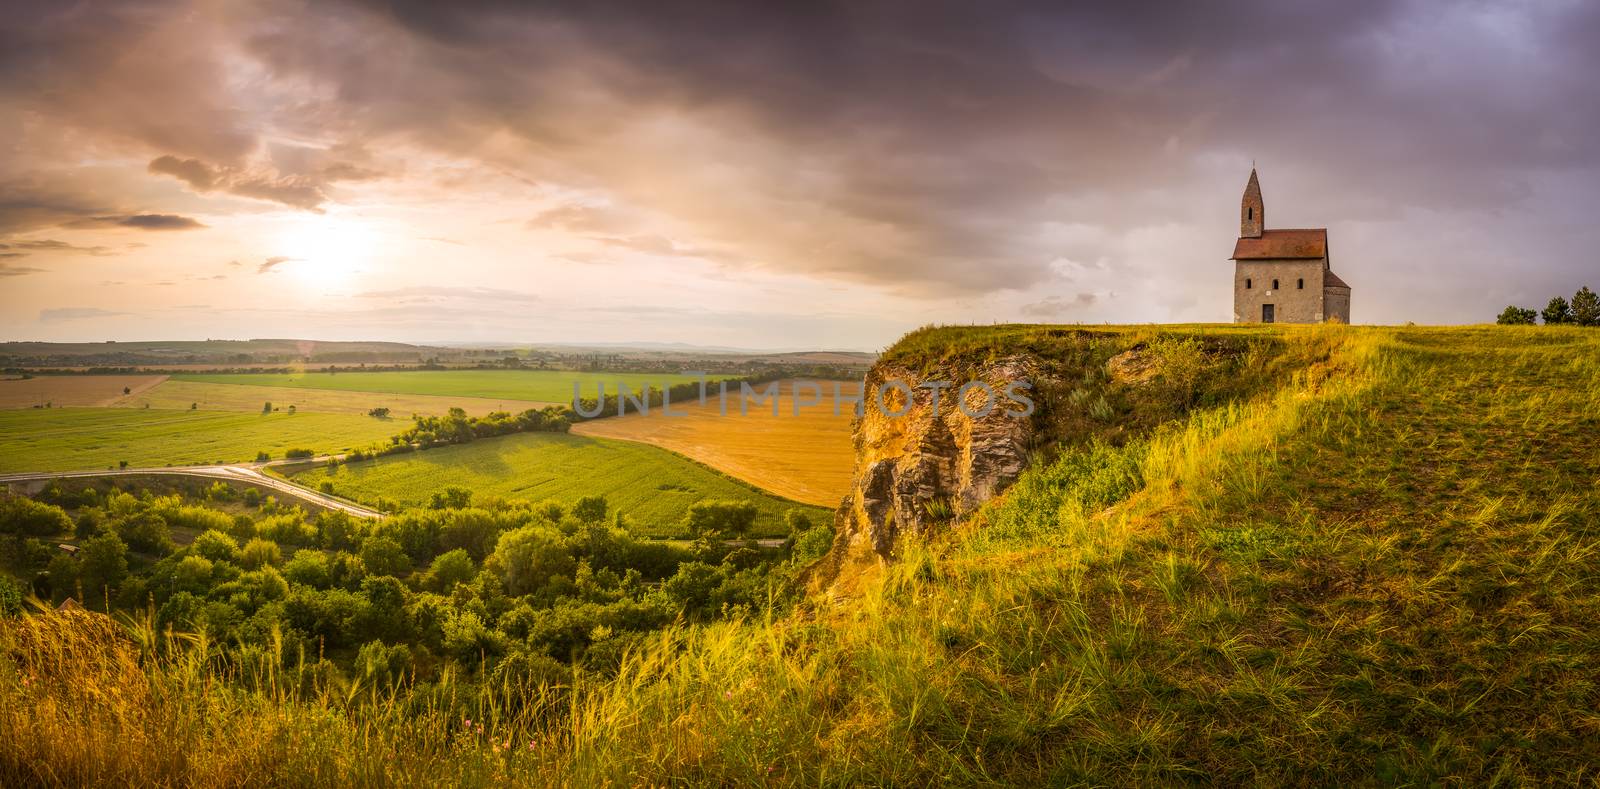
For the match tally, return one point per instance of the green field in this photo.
(548, 386)
(72, 439)
(651, 486)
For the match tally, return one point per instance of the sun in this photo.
(326, 252)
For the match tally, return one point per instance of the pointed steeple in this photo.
(1252, 213)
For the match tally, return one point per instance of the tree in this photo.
(590, 509)
(308, 568)
(262, 457)
(24, 516)
(1517, 316)
(381, 412)
(451, 568)
(1585, 307)
(147, 532)
(266, 408)
(1556, 312)
(383, 556)
(259, 553)
(527, 558)
(291, 408)
(126, 390)
(712, 520)
(216, 546)
(63, 572)
(452, 498)
(102, 565)
(194, 406)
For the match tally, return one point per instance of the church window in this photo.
(1300, 283)
(1274, 284)
(1250, 213)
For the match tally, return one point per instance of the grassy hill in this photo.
(652, 486)
(1380, 568)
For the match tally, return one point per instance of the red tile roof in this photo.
(1298, 244)
(1331, 280)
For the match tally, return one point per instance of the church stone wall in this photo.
(1291, 304)
(1337, 304)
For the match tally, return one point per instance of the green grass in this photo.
(82, 439)
(548, 386)
(1385, 570)
(651, 486)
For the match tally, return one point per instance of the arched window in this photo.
(1246, 283)
(1300, 284)
(1274, 284)
(1250, 213)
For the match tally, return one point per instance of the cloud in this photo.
(61, 314)
(8, 270)
(272, 262)
(19, 248)
(295, 191)
(153, 222)
(1055, 306)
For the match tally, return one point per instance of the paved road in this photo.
(251, 472)
(240, 473)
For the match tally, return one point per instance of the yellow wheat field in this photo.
(807, 457)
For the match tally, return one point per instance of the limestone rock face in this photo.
(918, 470)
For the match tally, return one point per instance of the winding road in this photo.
(249, 473)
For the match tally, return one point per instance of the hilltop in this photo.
(1232, 554)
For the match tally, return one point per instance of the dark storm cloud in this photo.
(917, 147)
(928, 143)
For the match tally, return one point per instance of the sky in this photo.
(773, 175)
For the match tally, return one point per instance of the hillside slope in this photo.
(1342, 556)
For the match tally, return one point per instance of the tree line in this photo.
(1583, 310)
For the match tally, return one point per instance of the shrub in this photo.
(24, 516)
(308, 568)
(10, 597)
(216, 546)
(259, 553)
(451, 568)
(299, 454)
(1516, 316)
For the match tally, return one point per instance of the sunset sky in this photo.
(771, 175)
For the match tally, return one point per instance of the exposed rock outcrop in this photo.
(923, 464)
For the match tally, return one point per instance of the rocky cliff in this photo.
(924, 463)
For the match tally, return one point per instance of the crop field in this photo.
(73, 439)
(651, 486)
(806, 457)
(244, 397)
(73, 390)
(545, 386)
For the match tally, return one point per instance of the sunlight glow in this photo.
(326, 252)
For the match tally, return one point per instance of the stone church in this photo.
(1282, 276)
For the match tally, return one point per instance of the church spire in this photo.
(1252, 213)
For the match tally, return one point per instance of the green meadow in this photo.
(83, 439)
(649, 485)
(546, 386)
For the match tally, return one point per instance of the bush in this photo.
(24, 516)
(1517, 316)
(10, 597)
(715, 520)
(260, 553)
(449, 569)
(308, 568)
(216, 546)
(299, 454)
